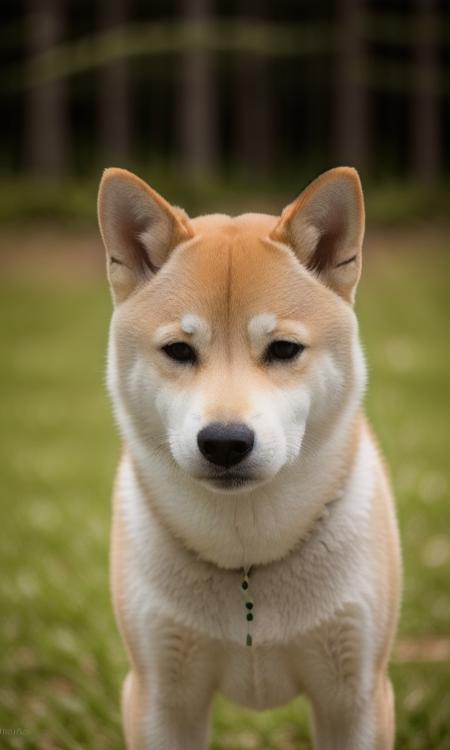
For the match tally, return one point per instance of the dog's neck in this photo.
(258, 527)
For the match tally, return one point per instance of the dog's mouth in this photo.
(229, 481)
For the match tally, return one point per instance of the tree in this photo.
(114, 102)
(45, 106)
(350, 106)
(197, 116)
(254, 105)
(426, 140)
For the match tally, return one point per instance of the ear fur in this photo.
(325, 228)
(139, 229)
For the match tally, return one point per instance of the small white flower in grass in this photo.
(28, 584)
(414, 698)
(436, 551)
(65, 641)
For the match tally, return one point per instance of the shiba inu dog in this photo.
(254, 547)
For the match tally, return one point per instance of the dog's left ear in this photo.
(325, 228)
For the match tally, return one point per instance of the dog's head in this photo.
(233, 339)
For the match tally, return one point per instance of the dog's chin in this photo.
(230, 483)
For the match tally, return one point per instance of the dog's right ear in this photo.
(139, 230)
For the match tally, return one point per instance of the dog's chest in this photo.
(258, 678)
(270, 676)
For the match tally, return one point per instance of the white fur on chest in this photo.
(291, 596)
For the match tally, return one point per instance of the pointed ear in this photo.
(139, 229)
(325, 229)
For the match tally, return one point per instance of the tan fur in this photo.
(318, 523)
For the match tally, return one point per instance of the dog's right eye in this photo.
(180, 352)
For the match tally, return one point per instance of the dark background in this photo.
(230, 90)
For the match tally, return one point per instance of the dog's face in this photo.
(232, 340)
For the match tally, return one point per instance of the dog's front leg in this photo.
(355, 721)
(346, 682)
(166, 701)
(150, 726)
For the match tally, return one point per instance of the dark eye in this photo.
(282, 350)
(181, 352)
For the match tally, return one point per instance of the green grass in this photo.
(62, 660)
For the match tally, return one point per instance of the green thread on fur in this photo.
(248, 604)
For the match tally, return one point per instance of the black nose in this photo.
(225, 444)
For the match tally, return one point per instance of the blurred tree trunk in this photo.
(114, 92)
(45, 107)
(197, 116)
(350, 106)
(426, 123)
(253, 105)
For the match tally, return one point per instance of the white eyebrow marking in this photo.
(262, 325)
(194, 325)
(191, 324)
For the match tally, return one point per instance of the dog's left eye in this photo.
(282, 350)
(180, 352)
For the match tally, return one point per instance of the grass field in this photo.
(62, 661)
